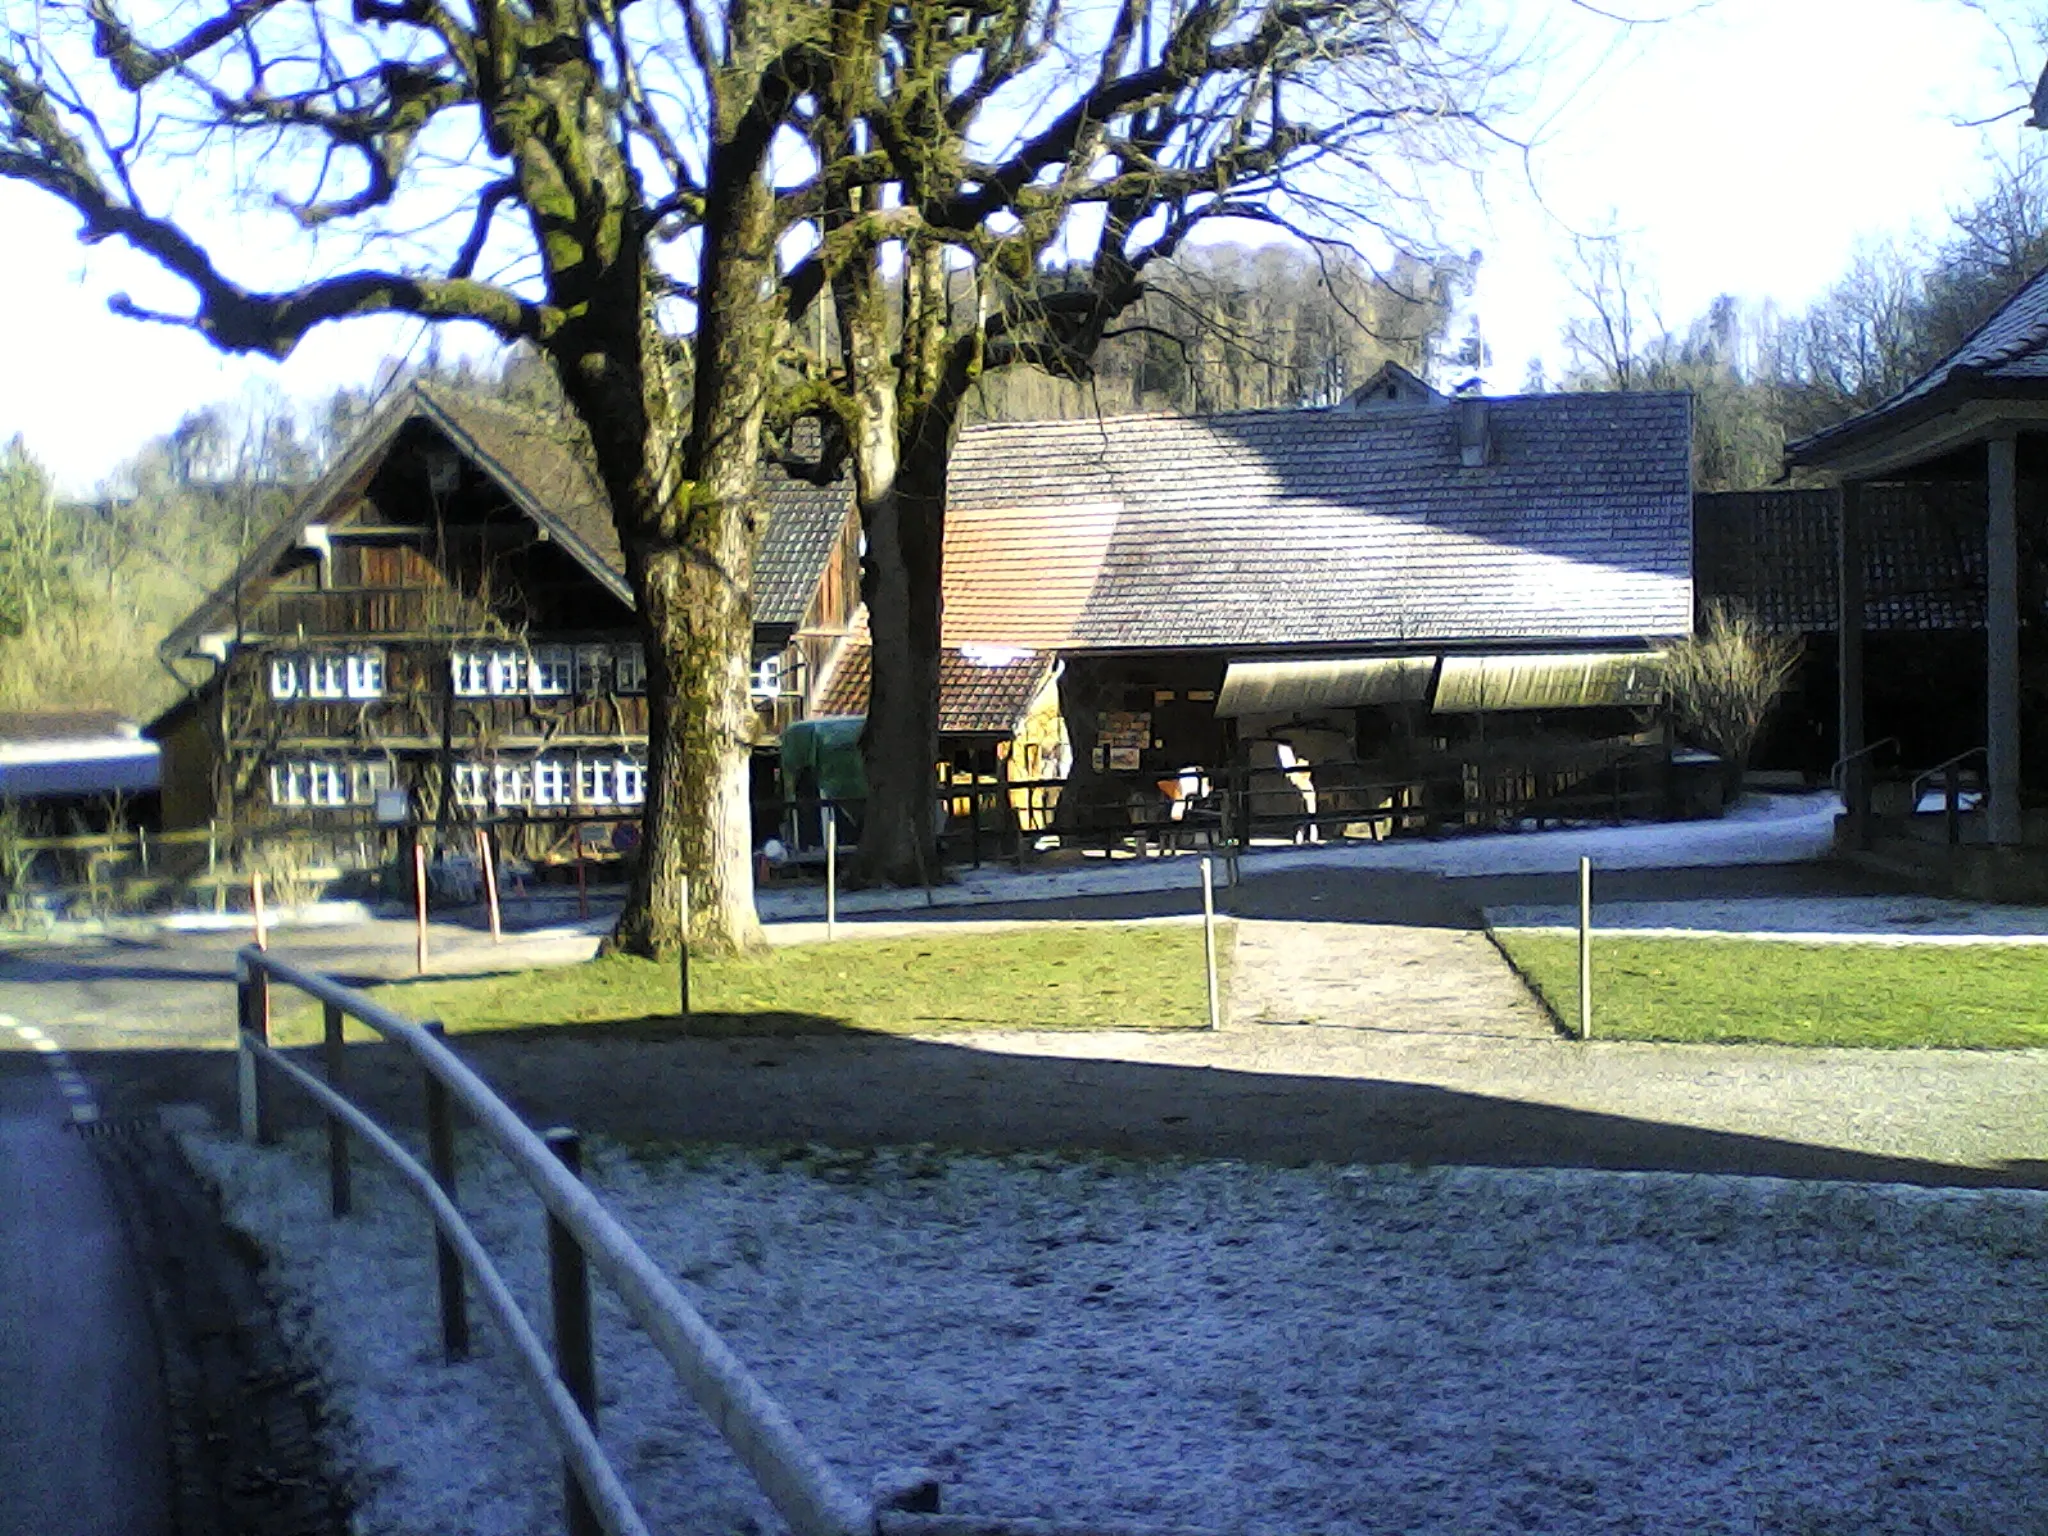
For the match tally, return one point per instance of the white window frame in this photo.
(551, 672)
(366, 778)
(288, 784)
(552, 781)
(472, 784)
(470, 673)
(630, 669)
(284, 677)
(597, 781)
(366, 674)
(511, 785)
(629, 775)
(592, 662)
(327, 784)
(326, 676)
(507, 672)
(766, 682)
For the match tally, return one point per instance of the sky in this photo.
(1742, 146)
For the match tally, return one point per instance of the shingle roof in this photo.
(2008, 353)
(976, 698)
(543, 464)
(1774, 553)
(804, 522)
(1332, 526)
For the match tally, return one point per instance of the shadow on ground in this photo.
(640, 1080)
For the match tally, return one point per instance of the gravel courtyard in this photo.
(1326, 1349)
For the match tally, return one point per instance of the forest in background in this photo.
(88, 588)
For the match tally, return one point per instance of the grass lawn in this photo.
(1728, 990)
(1054, 976)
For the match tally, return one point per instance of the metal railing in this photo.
(1951, 772)
(808, 1494)
(1849, 760)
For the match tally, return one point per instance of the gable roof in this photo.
(1774, 553)
(542, 464)
(2005, 356)
(1325, 527)
(977, 696)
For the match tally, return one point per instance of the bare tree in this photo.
(1608, 340)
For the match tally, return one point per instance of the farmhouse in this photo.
(1408, 609)
(442, 632)
(1971, 436)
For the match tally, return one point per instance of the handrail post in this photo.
(1952, 792)
(575, 1359)
(338, 1194)
(441, 1158)
(252, 1014)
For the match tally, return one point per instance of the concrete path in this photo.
(84, 1450)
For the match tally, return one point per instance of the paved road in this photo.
(81, 1394)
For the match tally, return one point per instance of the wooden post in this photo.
(2003, 821)
(419, 904)
(1952, 802)
(490, 869)
(256, 908)
(1849, 618)
(831, 872)
(1209, 939)
(441, 1157)
(220, 892)
(338, 1194)
(683, 950)
(575, 1358)
(252, 1019)
(1585, 948)
(142, 848)
(582, 879)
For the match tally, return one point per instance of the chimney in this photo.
(1475, 437)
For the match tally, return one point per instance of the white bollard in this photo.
(1585, 949)
(1209, 939)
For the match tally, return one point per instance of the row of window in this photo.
(542, 783)
(546, 671)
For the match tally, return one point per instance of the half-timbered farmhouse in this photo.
(1420, 607)
(442, 632)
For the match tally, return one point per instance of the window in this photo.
(767, 682)
(472, 784)
(287, 783)
(632, 669)
(553, 671)
(550, 782)
(326, 677)
(592, 664)
(596, 781)
(632, 782)
(507, 672)
(471, 673)
(365, 779)
(327, 783)
(366, 675)
(284, 677)
(511, 784)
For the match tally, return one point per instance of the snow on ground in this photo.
(1798, 919)
(1762, 829)
(1334, 1350)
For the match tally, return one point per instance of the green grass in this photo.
(1737, 990)
(1055, 976)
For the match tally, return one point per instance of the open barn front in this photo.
(1198, 747)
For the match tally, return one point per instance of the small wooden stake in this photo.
(419, 904)
(256, 907)
(490, 869)
(1209, 939)
(831, 872)
(1585, 949)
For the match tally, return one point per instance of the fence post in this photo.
(441, 1156)
(1585, 948)
(582, 880)
(142, 848)
(974, 818)
(220, 892)
(575, 1360)
(338, 1195)
(256, 907)
(831, 871)
(419, 903)
(1209, 939)
(683, 949)
(490, 869)
(252, 1018)
(1952, 803)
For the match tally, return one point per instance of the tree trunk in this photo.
(900, 746)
